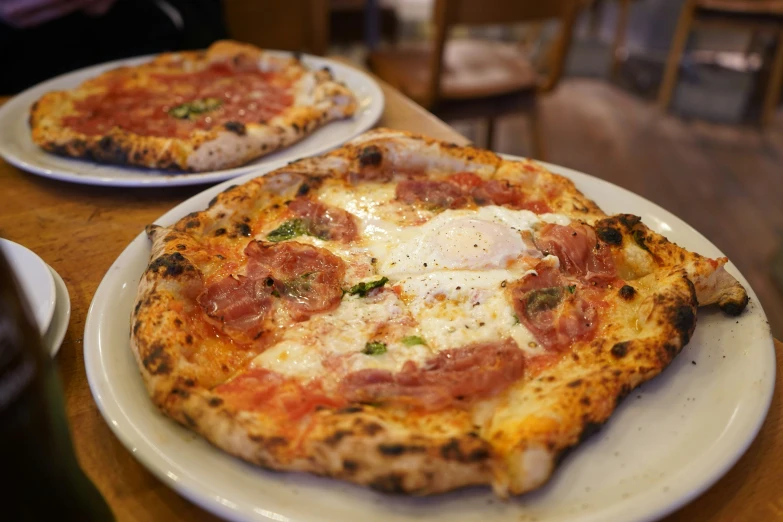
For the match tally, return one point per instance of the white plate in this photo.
(36, 281)
(668, 442)
(17, 148)
(53, 338)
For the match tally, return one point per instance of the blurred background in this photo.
(676, 100)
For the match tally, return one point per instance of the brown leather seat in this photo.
(471, 69)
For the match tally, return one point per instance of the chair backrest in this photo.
(296, 25)
(448, 13)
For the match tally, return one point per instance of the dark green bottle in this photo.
(42, 479)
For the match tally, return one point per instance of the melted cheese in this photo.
(449, 273)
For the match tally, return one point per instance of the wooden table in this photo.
(80, 230)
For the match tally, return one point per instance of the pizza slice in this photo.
(411, 315)
(191, 111)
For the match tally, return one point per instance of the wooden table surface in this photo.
(80, 230)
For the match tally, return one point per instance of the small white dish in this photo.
(53, 338)
(35, 279)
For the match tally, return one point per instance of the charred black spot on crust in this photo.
(173, 264)
(295, 126)
(629, 220)
(193, 223)
(683, 321)
(188, 339)
(215, 402)
(455, 450)
(110, 150)
(136, 327)
(370, 156)
(189, 420)
(177, 321)
(590, 429)
(372, 428)
(609, 235)
(735, 308)
(60, 150)
(304, 188)
(627, 292)
(157, 361)
(272, 442)
(236, 127)
(391, 449)
(189, 382)
(478, 454)
(451, 450)
(391, 483)
(181, 247)
(212, 202)
(585, 400)
(243, 229)
(180, 392)
(350, 465)
(625, 391)
(136, 308)
(220, 232)
(350, 409)
(620, 349)
(575, 383)
(335, 438)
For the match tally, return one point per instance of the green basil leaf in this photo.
(544, 299)
(288, 230)
(413, 340)
(362, 289)
(374, 348)
(194, 108)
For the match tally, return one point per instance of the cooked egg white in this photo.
(450, 274)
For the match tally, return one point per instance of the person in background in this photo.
(40, 39)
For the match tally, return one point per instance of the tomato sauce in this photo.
(244, 97)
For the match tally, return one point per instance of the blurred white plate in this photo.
(670, 439)
(36, 280)
(17, 148)
(53, 338)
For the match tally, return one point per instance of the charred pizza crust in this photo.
(511, 439)
(317, 99)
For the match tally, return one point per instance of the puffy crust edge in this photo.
(382, 448)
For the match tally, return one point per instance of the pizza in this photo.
(191, 111)
(411, 315)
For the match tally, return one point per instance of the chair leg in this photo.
(595, 18)
(675, 53)
(490, 136)
(537, 149)
(619, 36)
(772, 94)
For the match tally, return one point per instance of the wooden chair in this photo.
(755, 15)
(295, 25)
(621, 28)
(466, 78)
